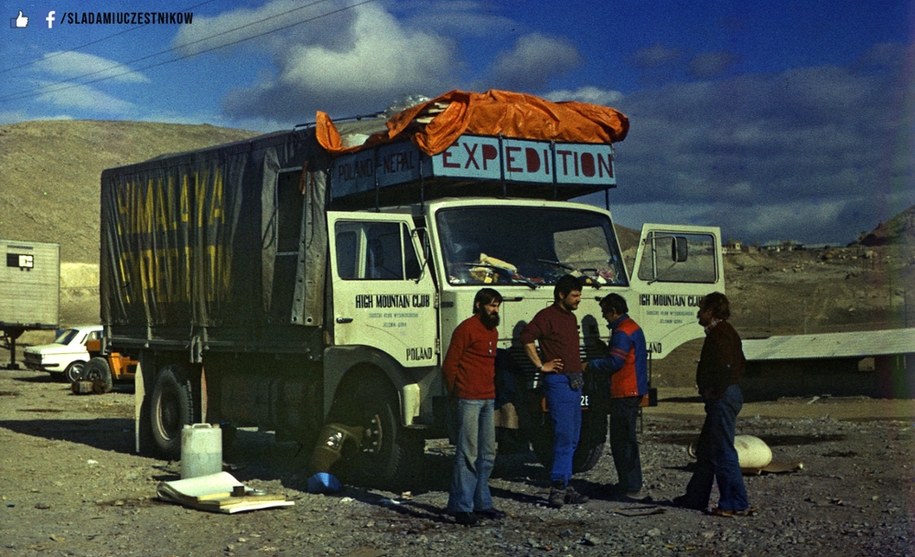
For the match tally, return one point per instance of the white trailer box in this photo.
(29, 285)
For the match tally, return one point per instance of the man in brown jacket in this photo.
(721, 364)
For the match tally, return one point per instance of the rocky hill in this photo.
(899, 230)
(50, 174)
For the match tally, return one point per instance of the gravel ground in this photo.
(70, 485)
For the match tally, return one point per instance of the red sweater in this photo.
(469, 368)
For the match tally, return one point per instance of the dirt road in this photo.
(71, 485)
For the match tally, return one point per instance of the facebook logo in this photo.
(50, 19)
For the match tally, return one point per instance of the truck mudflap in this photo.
(410, 400)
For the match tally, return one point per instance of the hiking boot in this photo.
(490, 514)
(557, 497)
(718, 511)
(684, 503)
(466, 519)
(575, 498)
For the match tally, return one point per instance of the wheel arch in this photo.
(352, 363)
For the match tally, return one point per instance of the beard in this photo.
(490, 321)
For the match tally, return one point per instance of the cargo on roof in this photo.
(435, 125)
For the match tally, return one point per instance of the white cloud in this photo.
(85, 98)
(533, 61)
(656, 56)
(368, 61)
(13, 116)
(70, 64)
(588, 94)
(711, 64)
(467, 18)
(255, 27)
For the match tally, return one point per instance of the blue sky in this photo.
(774, 119)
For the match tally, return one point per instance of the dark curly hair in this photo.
(565, 286)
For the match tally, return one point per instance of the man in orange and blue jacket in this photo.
(627, 365)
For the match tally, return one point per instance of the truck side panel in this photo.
(208, 246)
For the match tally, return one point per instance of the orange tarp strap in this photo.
(494, 113)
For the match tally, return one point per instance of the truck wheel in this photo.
(98, 370)
(389, 454)
(74, 371)
(592, 440)
(171, 408)
(590, 443)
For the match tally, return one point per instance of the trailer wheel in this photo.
(74, 371)
(98, 371)
(388, 454)
(171, 408)
(590, 443)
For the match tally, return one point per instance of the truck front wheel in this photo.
(590, 443)
(388, 453)
(171, 408)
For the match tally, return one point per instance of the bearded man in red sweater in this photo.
(469, 371)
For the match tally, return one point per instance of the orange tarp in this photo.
(505, 113)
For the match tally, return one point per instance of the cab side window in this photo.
(375, 251)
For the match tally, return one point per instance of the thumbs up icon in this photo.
(19, 22)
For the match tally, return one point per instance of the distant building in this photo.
(733, 246)
(782, 245)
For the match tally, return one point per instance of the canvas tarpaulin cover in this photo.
(195, 239)
(493, 113)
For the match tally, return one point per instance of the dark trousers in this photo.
(717, 457)
(624, 443)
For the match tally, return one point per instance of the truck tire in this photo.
(590, 443)
(171, 407)
(74, 371)
(99, 372)
(388, 455)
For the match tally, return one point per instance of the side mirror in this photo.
(679, 249)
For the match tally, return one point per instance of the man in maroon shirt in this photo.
(469, 371)
(555, 328)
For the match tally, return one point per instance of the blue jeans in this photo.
(624, 442)
(474, 457)
(717, 457)
(565, 413)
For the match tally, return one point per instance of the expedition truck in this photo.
(29, 290)
(314, 276)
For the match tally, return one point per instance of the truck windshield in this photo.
(528, 245)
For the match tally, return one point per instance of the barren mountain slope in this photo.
(50, 174)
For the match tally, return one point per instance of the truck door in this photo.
(382, 295)
(675, 267)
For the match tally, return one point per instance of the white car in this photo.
(67, 355)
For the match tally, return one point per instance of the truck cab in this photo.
(441, 253)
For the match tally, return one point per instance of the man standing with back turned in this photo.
(627, 366)
(469, 371)
(556, 329)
